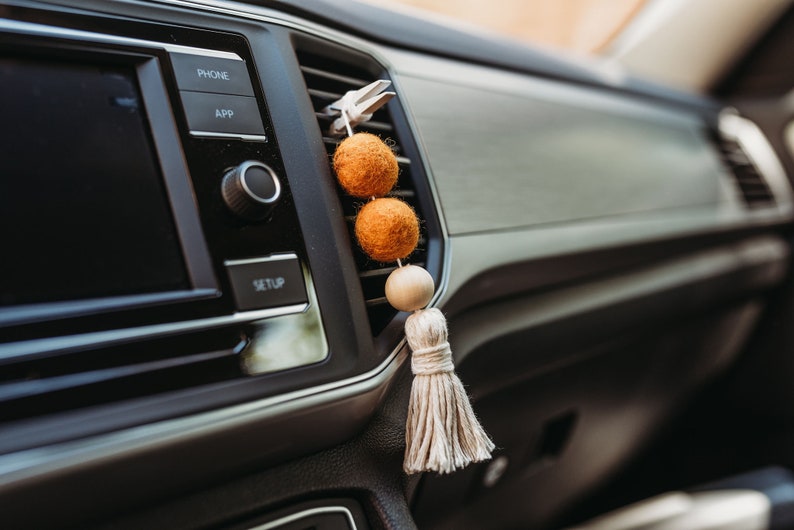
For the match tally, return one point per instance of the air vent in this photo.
(750, 182)
(327, 79)
(38, 385)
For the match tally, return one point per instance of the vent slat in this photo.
(352, 81)
(748, 179)
(47, 385)
(380, 301)
(403, 194)
(373, 125)
(73, 380)
(385, 271)
(370, 126)
(376, 272)
(325, 95)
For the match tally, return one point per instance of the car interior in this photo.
(192, 337)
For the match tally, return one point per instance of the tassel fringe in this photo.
(442, 433)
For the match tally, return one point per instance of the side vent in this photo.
(327, 79)
(748, 178)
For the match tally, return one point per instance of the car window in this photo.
(581, 26)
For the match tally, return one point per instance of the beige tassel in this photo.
(442, 433)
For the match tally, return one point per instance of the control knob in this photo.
(251, 190)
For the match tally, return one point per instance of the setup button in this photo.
(262, 283)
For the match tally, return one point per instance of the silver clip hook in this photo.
(358, 106)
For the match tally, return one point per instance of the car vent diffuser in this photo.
(748, 178)
(328, 79)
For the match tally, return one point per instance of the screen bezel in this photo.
(169, 154)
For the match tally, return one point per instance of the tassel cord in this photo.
(442, 432)
(432, 360)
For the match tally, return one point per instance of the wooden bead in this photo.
(409, 288)
(365, 166)
(387, 229)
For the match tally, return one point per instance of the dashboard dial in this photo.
(251, 190)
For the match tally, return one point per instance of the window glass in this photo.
(580, 26)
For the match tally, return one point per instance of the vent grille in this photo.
(750, 182)
(327, 80)
(34, 385)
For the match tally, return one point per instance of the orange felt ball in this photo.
(365, 166)
(387, 229)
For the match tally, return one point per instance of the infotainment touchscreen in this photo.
(84, 211)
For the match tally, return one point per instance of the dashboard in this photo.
(191, 338)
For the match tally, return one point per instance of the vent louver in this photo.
(38, 385)
(327, 79)
(748, 178)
